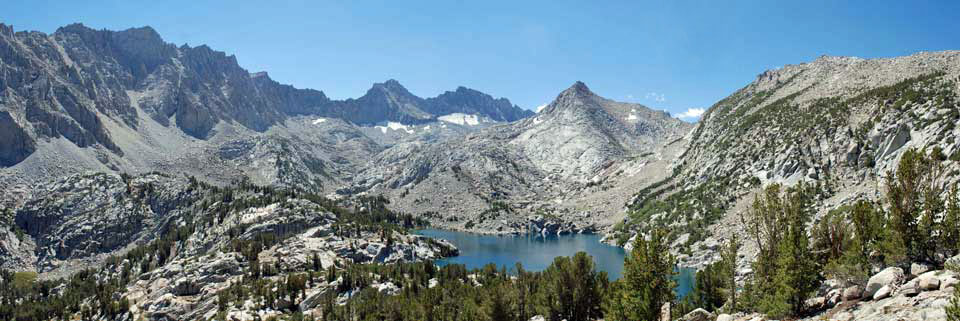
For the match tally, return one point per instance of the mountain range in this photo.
(107, 129)
(127, 101)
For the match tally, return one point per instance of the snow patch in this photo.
(461, 119)
(632, 117)
(396, 126)
(319, 121)
(541, 107)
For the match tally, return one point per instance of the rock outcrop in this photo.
(15, 143)
(79, 221)
(891, 278)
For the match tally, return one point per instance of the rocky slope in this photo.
(839, 122)
(891, 294)
(492, 180)
(80, 220)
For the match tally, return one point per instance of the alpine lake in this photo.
(537, 252)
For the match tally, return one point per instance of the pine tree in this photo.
(797, 274)
(499, 306)
(572, 289)
(912, 193)
(953, 309)
(786, 271)
(729, 258)
(951, 222)
(647, 281)
(709, 287)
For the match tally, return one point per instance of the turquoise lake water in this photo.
(537, 252)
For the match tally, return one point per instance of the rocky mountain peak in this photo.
(260, 74)
(392, 85)
(388, 101)
(73, 28)
(389, 90)
(578, 89)
(145, 33)
(576, 96)
(6, 29)
(470, 101)
(837, 59)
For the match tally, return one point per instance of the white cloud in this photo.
(541, 107)
(692, 113)
(655, 97)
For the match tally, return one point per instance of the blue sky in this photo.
(672, 55)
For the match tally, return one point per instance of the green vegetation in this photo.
(695, 209)
(85, 293)
(913, 196)
(953, 309)
(917, 90)
(569, 289)
(715, 286)
(784, 275)
(921, 224)
(647, 281)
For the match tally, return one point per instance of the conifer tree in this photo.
(647, 281)
(786, 271)
(730, 270)
(912, 195)
(953, 309)
(797, 272)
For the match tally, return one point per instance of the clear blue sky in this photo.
(670, 55)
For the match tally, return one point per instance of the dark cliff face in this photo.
(84, 215)
(469, 101)
(15, 144)
(59, 87)
(390, 101)
(66, 82)
(387, 101)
